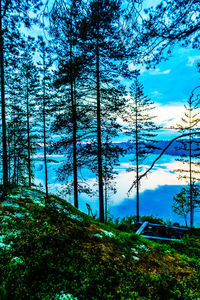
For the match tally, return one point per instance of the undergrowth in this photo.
(50, 250)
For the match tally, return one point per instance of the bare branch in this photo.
(163, 151)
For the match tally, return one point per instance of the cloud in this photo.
(159, 177)
(169, 115)
(157, 71)
(192, 60)
(155, 93)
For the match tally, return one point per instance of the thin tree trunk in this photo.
(28, 133)
(106, 199)
(137, 160)
(99, 143)
(44, 126)
(3, 113)
(44, 141)
(191, 183)
(9, 157)
(190, 171)
(18, 170)
(14, 156)
(75, 154)
(74, 121)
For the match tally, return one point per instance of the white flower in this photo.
(63, 296)
(135, 257)
(16, 260)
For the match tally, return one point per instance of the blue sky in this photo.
(172, 81)
(169, 85)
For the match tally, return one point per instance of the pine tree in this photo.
(189, 148)
(30, 87)
(164, 25)
(16, 131)
(103, 45)
(141, 128)
(44, 97)
(12, 15)
(65, 18)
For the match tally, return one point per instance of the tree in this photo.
(66, 16)
(102, 41)
(12, 15)
(189, 148)
(141, 128)
(44, 96)
(30, 78)
(110, 155)
(16, 129)
(166, 24)
(84, 60)
(182, 204)
(3, 114)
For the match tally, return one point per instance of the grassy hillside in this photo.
(50, 250)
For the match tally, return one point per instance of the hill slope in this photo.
(50, 250)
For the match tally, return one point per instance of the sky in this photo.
(170, 84)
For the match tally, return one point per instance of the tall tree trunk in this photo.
(28, 135)
(106, 199)
(9, 156)
(3, 113)
(99, 143)
(191, 184)
(74, 121)
(44, 125)
(14, 157)
(190, 170)
(75, 154)
(44, 141)
(137, 160)
(18, 169)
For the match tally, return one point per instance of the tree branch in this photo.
(163, 151)
(5, 9)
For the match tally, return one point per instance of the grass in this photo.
(51, 250)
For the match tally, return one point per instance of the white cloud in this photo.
(156, 178)
(166, 72)
(157, 71)
(155, 93)
(192, 60)
(169, 115)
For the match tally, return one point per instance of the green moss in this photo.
(57, 250)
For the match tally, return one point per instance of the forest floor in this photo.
(50, 250)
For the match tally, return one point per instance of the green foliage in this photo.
(181, 202)
(152, 219)
(50, 250)
(129, 223)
